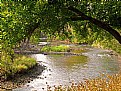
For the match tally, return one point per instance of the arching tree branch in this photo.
(96, 22)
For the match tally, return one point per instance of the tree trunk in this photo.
(96, 22)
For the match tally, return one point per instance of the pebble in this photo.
(28, 81)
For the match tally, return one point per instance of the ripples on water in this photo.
(63, 69)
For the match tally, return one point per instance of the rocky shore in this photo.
(20, 79)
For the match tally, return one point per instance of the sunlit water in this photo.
(63, 69)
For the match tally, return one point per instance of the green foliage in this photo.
(35, 37)
(19, 20)
(108, 44)
(27, 61)
(19, 64)
(60, 48)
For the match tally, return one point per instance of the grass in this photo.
(59, 48)
(20, 63)
(62, 48)
(109, 83)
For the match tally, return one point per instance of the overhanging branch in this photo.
(96, 22)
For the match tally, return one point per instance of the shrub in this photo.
(19, 64)
(21, 67)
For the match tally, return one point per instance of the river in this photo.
(63, 69)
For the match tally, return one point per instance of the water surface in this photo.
(63, 69)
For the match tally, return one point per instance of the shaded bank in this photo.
(20, 79)
(19, 64)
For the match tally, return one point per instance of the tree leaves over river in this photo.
(62, 19)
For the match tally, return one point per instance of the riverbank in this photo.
(109, 83)
(15, 73)
(19, 64)
(113, 47)
(62, 69)
(30, 75)
(19, 79)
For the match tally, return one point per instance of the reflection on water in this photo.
(68, 62)
(62, 69)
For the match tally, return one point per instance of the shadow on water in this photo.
(21, 78)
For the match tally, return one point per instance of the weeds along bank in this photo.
(9, 67)
(110, 45)
(106, 44)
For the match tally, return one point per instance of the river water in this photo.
(63, 69)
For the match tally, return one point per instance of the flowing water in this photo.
(63, 69)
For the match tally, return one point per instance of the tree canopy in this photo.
(20, 18)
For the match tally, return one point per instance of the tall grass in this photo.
(20, 63)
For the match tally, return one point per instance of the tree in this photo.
(21, 18)
(96, 22)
